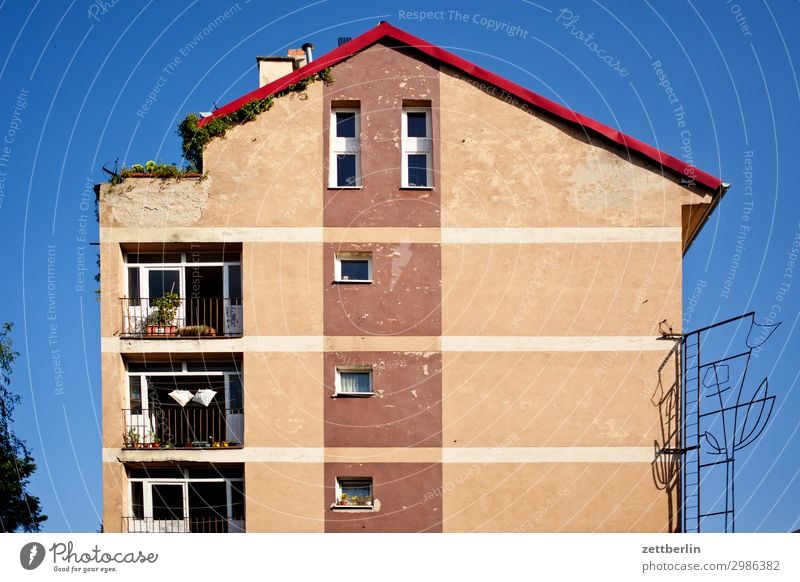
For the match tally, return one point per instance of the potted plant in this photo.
(344, 500)
(132, 438)
(197, 330)
(162, 320)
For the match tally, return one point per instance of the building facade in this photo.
(414, 297)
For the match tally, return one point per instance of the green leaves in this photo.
(18, 509)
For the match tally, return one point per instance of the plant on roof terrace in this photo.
(195, 137)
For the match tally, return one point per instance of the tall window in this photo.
(417, 164)
(345, 158)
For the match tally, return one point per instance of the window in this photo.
(184, 404)
(354, 492)
(417, 149)
(208, 285)
(345, 159)
(185, 500)
(354, 381)
(353, 267)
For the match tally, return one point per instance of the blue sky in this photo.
(75, 77)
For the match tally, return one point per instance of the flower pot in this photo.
(162, 329)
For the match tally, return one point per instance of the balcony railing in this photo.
(191, 318)
(167, 427)
(185, 525)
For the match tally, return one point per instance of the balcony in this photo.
(165, 427)
(196, 524)
(181, 318)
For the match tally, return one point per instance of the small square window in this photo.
(354, 267)
(354, 492)
(354, 381)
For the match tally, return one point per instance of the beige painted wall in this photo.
(111, 288)
(282, 286)
(115, 497)
(284, 497)
(283, 400)
(263, 173)
(550, 399)
(268, 172)
(548, 497)
(504, 166)
(560, 289)
(115, 383)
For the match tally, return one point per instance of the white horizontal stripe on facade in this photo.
(305, 343)
(253, 343)
(449, 455)
(562, 235)
(213, 455)
(548, 455)
(268, 234)
(314, 234)
(553, 344)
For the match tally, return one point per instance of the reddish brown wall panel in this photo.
(409, 496)
(380, 79)
(404, 298)
(406, 410)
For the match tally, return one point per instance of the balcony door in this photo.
(166, 507)
(157, 282)
(209, 285)
(211, 502)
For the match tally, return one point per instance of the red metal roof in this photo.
(385, 30)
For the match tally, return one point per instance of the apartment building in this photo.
(413, 296)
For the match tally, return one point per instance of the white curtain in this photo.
(354, 382)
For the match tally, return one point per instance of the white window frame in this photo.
(356, 256)
(367, 480)
(183, 482)
(234, 421)
(344, 145)
(233, 312)
(417, 145)
(361, 369)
